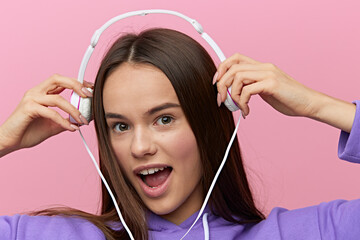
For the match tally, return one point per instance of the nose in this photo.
(142, 143)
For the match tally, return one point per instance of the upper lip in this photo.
(137, 170)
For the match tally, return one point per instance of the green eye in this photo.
(120, 127)
(164, 120)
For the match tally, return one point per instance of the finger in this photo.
(56, 118)
(57, 90)
(247, 92)
(237, 81)
(237, 86)
(88, 84)
(227, 79)
(61, 81)
(222, 87)
(56, 128)
(236, 68)
(234, 59)
(60, 102)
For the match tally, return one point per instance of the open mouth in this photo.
(154, 177)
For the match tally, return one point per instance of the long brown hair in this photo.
(190, 70)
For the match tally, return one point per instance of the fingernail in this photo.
(243, 115)
(89, 83)
(83, 120)
(74, 126)
(86, 92)
(215, 78)
(218, 99)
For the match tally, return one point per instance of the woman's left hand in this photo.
(248, 77)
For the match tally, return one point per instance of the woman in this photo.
(162, 132)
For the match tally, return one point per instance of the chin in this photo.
(161, 207)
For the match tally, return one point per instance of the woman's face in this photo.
(153, 141)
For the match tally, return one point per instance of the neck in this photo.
(187, 208)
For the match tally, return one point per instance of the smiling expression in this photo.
(153, 141)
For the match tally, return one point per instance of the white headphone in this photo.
(84, 104)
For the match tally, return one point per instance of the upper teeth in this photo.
(150, 171)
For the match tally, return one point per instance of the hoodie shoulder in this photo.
(24, 227)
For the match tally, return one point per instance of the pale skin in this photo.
(249, 77)
(32, 121)
(148, 128)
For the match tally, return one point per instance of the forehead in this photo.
(136, 86)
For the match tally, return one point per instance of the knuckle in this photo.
(270, 66)
(242, 103)
(238, 76)
(56, 100)
(245, 92)
(227, 84)
(77, 84)
(27, 94)
(271, 75)
(55, 76)
(220, 65)
(242, 106)
(272, 83)
(233, 69)
(28, 106)
(234, 95)
(54, 115)
(220, 85)
(221, 69)
(237, 55)
(56, 79)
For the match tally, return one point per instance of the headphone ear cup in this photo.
(229, 102)
(83, 105)
(85, 108)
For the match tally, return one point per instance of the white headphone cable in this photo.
(206, 198)
(107, 187)
(75, 98)
(215, 178)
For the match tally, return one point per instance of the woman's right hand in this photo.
(33, 121)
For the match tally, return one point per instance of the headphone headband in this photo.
(75, 98)
(96, 36)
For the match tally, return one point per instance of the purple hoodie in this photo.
(338, 219)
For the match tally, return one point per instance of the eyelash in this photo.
(165, 116)
(113, 127)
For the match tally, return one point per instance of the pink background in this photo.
(292, 162)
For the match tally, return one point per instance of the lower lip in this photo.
(157, 191)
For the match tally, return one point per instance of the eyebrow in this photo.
(149, 112)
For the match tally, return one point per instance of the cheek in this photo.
(121, 155)
(183, 147)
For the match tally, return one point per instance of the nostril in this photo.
(141, 150)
